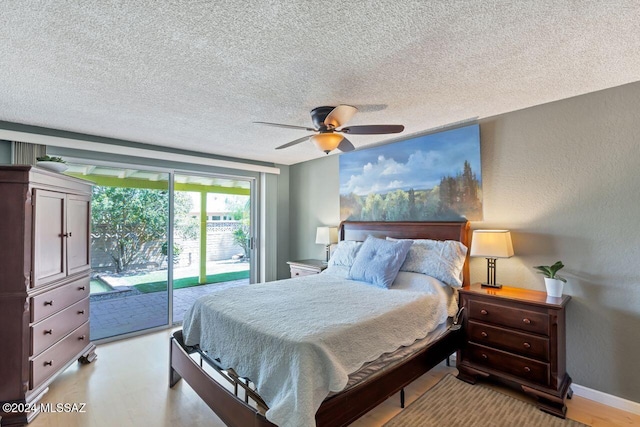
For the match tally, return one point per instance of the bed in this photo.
(240, 404)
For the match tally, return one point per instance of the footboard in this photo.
(338, 410)
(233, 411)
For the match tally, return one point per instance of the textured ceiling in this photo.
(196, 74)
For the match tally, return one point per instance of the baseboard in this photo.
(606, 399)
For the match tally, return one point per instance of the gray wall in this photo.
(314, 202)
(5, 152)
(563, 177)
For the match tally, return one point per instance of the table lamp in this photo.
(491, 244)
(326, 236)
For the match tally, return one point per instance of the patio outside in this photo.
(117, 303)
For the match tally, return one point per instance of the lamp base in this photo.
(491, 285)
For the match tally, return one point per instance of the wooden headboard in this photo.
(454, 230)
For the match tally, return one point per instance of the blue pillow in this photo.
(378, 261)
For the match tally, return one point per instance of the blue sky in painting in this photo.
(417, 163)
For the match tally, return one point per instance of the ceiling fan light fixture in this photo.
(327, 141)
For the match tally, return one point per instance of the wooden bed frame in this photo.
(343, 408)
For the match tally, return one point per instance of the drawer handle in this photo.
(484, 334)
(80, 311)
(484, 356)
(81, 338)
(48, 332)
(484, 312)
(527, 369)
(48, 302)
(48, 363)
(526, 345)
(527, 321)
(297, 274)
(81, 288)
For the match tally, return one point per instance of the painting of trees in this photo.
(431, 177)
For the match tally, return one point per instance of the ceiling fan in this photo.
(326, 121)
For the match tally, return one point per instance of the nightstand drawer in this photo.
(306, 267)
(521, 367)
(525, 320)
(510, 340)
(297, 272)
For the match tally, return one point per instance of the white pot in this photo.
(52, 166)
(554, 287)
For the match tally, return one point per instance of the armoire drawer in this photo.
(51, 302)
(49, 331)
(53, 359)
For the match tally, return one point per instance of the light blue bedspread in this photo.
(299, 339)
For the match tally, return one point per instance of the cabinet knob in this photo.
(526, 345)
(81, 338)
(527, 369)
(484, 356)
(81, 288)
(64, 235)
(48, 363)
(80, 311)
(48, 302)
(48, 332)
(484, 334)
(526, 321)
(484, 312)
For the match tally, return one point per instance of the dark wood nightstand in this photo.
(306, 267)
(517, 336)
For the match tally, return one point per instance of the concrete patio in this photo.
(126, 310)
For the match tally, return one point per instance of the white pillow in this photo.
(345, 253)
(418, 282)
(442, 259)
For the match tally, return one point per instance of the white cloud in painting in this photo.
(419, 163)
(423, 169)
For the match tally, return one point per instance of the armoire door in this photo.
(49, 246)
(78, 215)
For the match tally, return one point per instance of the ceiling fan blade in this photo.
(294, 142)
(372, 129)
(340, 115)
(280, 125)
(345, 145)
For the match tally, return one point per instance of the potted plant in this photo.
(56, 164)
(552, 281)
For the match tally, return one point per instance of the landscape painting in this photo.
(434, 177)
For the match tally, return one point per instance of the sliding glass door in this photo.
(129, 223)
(212, 237)
(142, 260)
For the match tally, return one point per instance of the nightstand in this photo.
(306, 267)
(516, 336)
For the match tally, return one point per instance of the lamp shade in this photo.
(327, 142)
(491, 244)
(326, 235)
